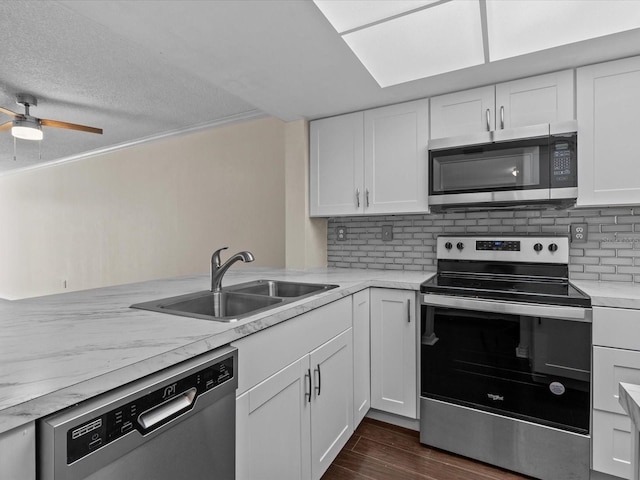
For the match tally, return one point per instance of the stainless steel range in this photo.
(506, 355)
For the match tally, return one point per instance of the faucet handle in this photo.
(215, 258)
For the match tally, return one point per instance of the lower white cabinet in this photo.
(616, 358)
(393, 351)
(18, 453)
(361, 357)
(291, 423)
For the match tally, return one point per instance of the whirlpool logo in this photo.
(495, 398)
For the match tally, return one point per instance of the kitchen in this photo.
(101, 221)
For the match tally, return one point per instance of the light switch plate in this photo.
(387, 233)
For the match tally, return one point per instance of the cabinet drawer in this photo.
(610, 367)
(266, 352)
(611, 441)
(616, 327)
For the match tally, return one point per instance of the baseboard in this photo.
(393, 419)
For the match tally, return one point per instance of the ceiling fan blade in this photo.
(6, 125)
(9, 112)
(70, 126)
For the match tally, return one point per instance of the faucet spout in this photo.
(218, 269)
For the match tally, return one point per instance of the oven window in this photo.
(531, 368)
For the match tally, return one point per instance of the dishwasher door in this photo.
(177, 423)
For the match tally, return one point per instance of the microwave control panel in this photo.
(563, 162)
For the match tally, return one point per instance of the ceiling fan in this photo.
(28, 127)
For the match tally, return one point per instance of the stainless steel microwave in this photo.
(518, 173)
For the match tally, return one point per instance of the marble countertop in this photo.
(629, 398)
(58, 350)
(611, 294)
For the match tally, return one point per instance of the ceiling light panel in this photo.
(346, 15)
(440, 39)
(526, 26)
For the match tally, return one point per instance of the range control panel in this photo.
(538, 249)
(148, 412)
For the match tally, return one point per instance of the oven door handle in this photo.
(513, 308)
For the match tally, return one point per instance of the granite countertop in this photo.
(58, 350)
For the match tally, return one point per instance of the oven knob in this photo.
(537, 247)
(553, 247)
(460, 245)
(448, 246)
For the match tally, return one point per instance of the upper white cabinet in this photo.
(394, 384)
(530, 101)
(370, 162)
(608, 106)
(337, 165)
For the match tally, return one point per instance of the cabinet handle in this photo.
(409, 311)
(319, 380)
(358, 197)
(488, 120)
(502, 117)
(367, 197)
(308, 378)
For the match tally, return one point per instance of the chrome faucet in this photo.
(218, 270)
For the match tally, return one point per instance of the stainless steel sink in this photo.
(235, 302)
(278, 288)
(221, 306)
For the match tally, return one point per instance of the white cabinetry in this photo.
(393, 352)
(526, 102)
(608, 102)
(18, 453)
(370, 162)
(616, 358)
(361, 357)
(295, 404)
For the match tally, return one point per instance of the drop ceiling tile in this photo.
(349, 14)
(421, 44)
(527, 26)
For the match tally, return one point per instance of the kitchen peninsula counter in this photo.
(58, 350)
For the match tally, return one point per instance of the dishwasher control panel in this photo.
(148, 411)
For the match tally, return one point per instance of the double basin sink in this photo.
(236, 301)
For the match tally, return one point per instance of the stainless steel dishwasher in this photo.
(177, 423)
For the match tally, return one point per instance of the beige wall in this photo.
(154, 210)
(306, 238)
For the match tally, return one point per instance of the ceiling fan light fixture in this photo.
(27, 129)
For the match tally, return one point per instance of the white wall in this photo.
(154, 210)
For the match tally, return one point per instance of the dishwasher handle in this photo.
(165, 410)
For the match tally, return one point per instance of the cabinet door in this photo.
(18, 453)
(393, 351)
(469, 112)
(610, 367)
(608, 102)
(535, 100)
(611, 444)
(273, 427)
(395, 152)
(336, 165)
(332, 405)
(361, 357)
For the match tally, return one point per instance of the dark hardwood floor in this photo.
(381, 451)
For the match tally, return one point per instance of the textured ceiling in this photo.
(147, 68)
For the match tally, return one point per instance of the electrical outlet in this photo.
(578, 232)
(387, 233)
(341, 232)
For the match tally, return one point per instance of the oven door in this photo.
(528, 362)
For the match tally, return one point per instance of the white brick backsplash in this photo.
(611, 254)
